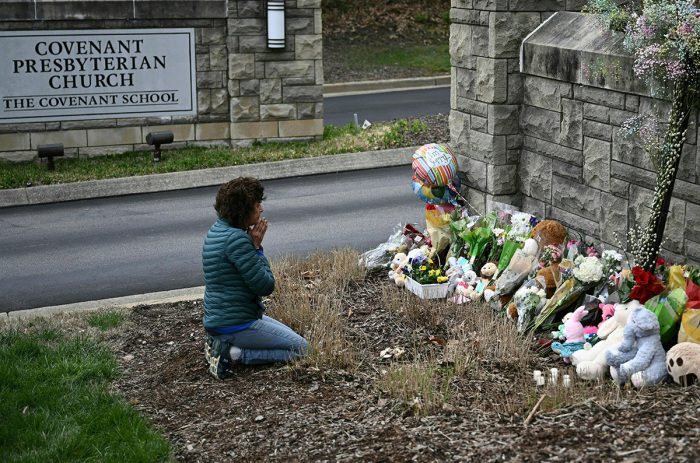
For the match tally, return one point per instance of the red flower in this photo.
(642, 277)
(644, 293)
(647, 285)
(660, 261)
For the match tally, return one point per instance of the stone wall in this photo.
(245, 91)
(487, 91)
(547, 139)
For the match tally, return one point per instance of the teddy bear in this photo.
(551, 276)
(549, 232)
(455, 275)
(590, 362)
(573, 331)
(640, 351)
(465, 291)
(683, 363)
(396, 273)
(488, 270)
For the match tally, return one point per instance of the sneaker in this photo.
(218, 357)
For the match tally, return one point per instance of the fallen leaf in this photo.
(259, 418)
(436, 341)
(128, 358)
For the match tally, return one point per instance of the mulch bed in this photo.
(280, 413)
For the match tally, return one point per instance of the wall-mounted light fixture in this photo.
(49, 152)
(159, 138)
(275, 24)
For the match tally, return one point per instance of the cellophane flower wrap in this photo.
(583, 278)
(550, 255)
(477, 239)
(516, 232)
(519, 268)
(668, 308)
(528, 301)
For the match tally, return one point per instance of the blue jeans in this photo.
(267, 341)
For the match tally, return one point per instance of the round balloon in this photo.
(434, 165)
(437, 194)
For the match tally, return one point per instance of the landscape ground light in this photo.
(49, 152)
(159, 138)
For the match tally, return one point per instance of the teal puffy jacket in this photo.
(236, 277)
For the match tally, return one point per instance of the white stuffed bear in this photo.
(397, 263)
(465, 289)
(590, 363)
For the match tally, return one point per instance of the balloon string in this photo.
(453, 189)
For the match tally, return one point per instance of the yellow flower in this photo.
(442, 279)
(430, 261)
(432, 272)
(423, 268)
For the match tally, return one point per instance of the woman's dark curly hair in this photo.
(236, 200)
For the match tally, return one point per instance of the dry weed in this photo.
(307, 298)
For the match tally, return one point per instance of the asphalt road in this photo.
(110, 247)
(374, 107)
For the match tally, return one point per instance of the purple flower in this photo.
(417, 261)
(533, 221)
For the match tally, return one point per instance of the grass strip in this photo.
(435, 58)
(56, 405)
(336, 140)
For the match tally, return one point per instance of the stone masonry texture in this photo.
(548, 139)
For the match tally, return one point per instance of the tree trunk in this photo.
(678, 124)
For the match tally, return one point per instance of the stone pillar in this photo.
(487, 91)
(275, 94)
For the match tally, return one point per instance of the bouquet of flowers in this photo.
(528, 301)
(575, 248)
(478, 239)
(515, 235)
(550, 255)
(587, 272)
(647, 286)
(512, 277)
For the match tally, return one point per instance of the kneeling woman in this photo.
(237, 275)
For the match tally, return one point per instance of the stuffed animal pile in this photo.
(599, 339)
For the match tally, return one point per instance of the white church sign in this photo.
(73, 75)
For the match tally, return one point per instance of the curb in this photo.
(204, 177)
(162, 297)
(374, 86)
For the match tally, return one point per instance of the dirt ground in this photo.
(280, 413)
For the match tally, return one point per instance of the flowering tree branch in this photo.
(665, 39)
